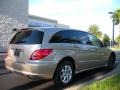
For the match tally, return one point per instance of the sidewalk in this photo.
(2, 59)
(117, 52)
(2, 64)
(2, 56)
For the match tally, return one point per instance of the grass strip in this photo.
(112, 83)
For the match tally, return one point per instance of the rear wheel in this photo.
(111, 62)
(64, 74)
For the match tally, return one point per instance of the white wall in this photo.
(17, 9)
(13, 14)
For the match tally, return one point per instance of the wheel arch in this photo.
(113, 53)
(68, 59)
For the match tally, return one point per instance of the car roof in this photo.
(54, 29)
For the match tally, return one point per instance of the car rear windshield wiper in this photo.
(21, 41)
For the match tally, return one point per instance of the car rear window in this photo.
(28, 37)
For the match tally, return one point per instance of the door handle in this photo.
(93, 49)
(75, 46)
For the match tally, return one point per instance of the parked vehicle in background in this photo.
(56, 53)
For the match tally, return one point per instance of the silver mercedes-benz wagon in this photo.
(56, 53)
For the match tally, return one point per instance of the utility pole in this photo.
(113, 27)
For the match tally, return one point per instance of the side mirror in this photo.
(105, 45)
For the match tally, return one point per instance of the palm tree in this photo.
(116, 17)
(94, 29)
(116, 20)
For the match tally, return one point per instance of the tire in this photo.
(64, 74)
(111, 62)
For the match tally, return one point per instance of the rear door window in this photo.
(65, 36)
(28, 37)
(83, 38)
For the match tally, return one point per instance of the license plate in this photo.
(17, 52)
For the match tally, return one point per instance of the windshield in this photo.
(28, 37)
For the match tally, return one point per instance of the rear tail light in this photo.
(40, 54)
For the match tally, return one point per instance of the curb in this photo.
(79, 85)
(4, 71)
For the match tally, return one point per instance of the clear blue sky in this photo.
(78, 14)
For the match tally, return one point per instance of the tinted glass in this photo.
(70, 36)
(95, 41)
(28, 37)
(66, 36)
(83, 38)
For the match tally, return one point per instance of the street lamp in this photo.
(112, 29)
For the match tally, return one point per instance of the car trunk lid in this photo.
(24, 43)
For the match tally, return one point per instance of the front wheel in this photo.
(64, 74)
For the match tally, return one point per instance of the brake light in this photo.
(40, 54)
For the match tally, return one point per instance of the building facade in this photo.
(17, 9)
(37, 21)
(13, 14)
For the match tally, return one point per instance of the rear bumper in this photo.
(43, 70)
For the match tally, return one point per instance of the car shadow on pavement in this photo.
(49, 85)
(29, 85)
